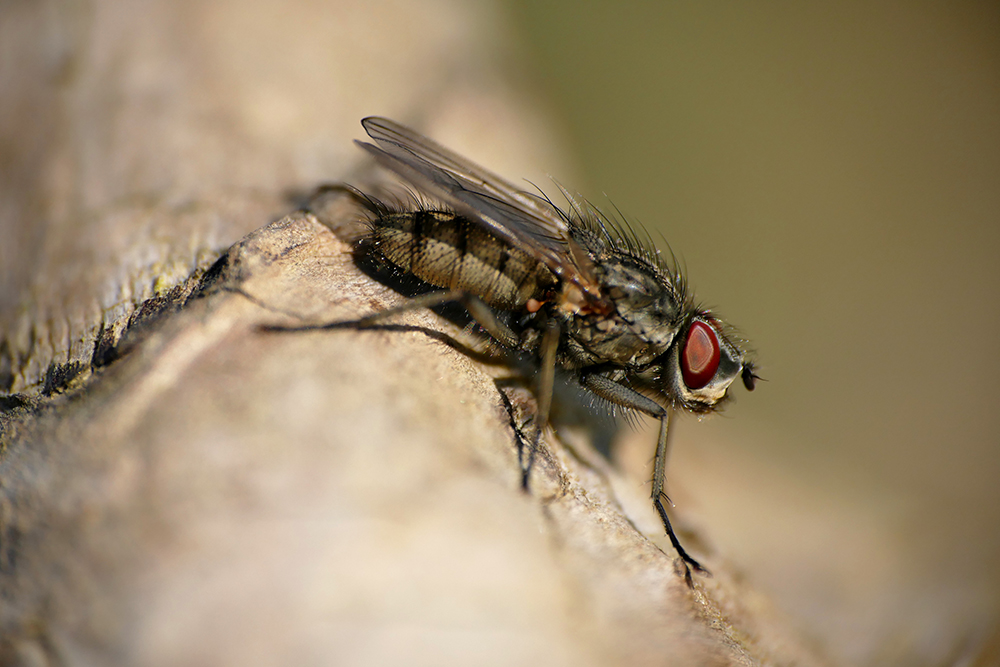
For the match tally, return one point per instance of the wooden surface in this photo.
(222, 494)
(179, 487)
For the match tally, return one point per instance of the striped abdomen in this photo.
(450, 251)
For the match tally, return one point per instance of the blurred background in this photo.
(829, 174)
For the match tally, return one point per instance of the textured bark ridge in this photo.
(222, 494)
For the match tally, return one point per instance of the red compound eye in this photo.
(700, 356)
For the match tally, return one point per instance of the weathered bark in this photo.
(187, 488)
(223, 493)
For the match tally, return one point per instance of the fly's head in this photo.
(698, 370)
(688, 350)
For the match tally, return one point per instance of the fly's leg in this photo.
(477, 308)
(429, 300)
(546, 375)
(621, 395)
(485, 317)
(543, 392)
(498, 330)
(423, 301)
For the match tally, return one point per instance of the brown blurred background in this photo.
(830, 176)
(828, 173)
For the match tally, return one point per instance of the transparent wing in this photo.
(528, 222)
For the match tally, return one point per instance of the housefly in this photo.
(575, 289)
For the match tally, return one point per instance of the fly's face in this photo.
(699, 369)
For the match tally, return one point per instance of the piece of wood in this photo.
(178, 486)
(222, 492)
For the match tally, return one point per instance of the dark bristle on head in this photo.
(627, 237)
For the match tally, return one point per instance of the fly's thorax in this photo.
(449, 251)
(595, 338)
(638, 318)
(644, 297)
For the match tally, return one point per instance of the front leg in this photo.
(621, 395)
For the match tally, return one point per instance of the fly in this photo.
(576, 289)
